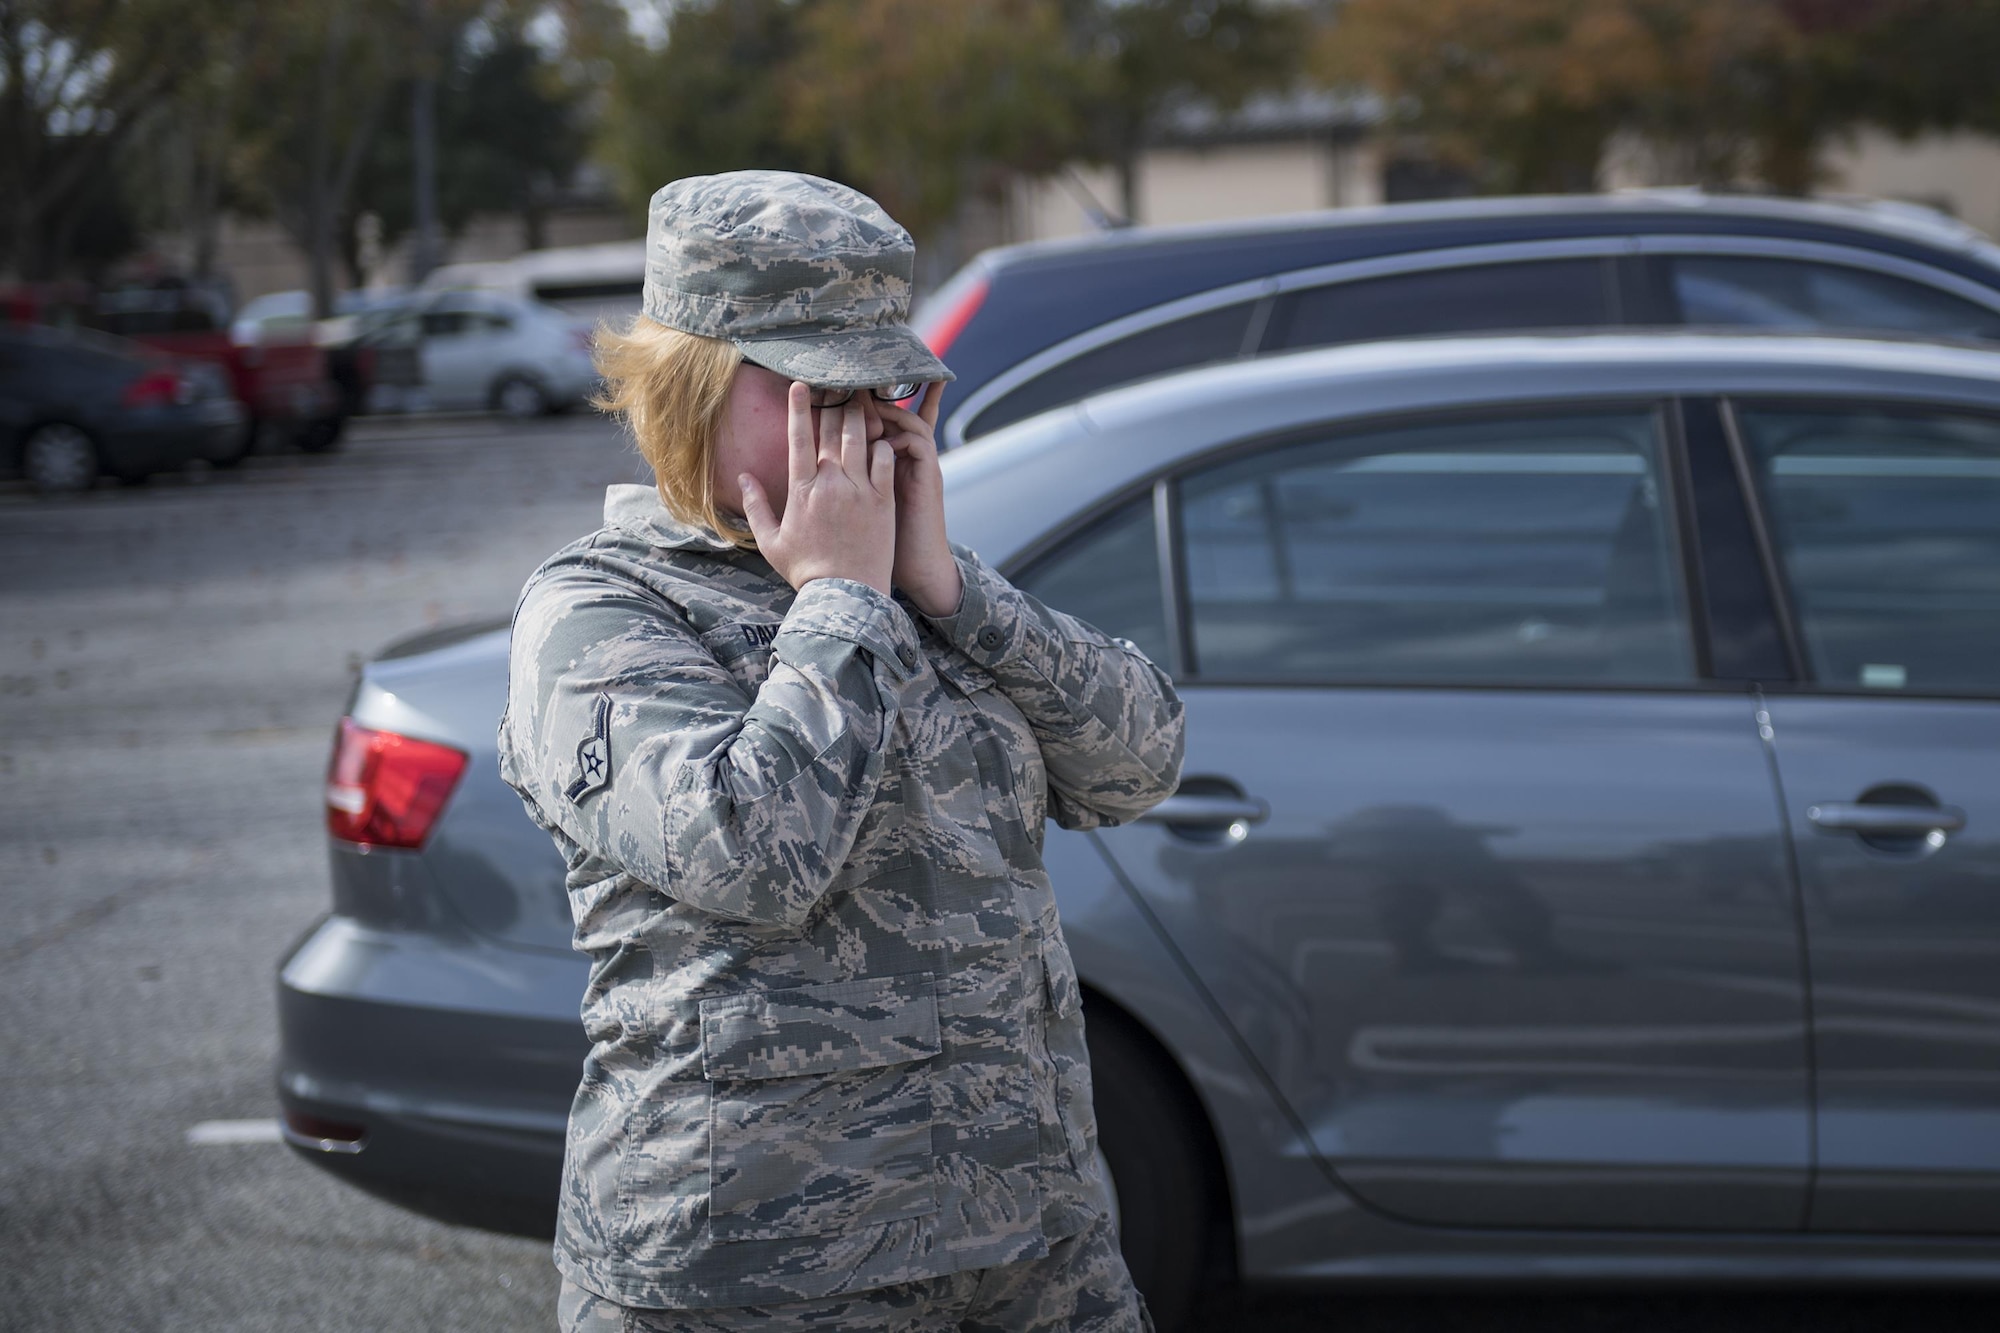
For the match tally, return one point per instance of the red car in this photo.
(281, 377)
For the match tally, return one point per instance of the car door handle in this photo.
(1208, 811)
(1904, 820)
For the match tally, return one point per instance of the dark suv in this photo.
(1031, 327)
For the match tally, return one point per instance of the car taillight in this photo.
(317, 1132)
(158, 388)
(385, 790)
(943, 331)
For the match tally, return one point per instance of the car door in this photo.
(1482, 866)
(390, 353)
(1885, 522)
(457, 357)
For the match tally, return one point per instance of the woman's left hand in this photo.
(925, 569)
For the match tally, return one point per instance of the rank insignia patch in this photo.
(593, 753)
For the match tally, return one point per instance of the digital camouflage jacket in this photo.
(837, 1041)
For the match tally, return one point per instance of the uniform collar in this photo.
(637, 510)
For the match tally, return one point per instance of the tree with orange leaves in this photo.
(1527, 94)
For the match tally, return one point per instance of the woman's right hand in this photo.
(840, 504)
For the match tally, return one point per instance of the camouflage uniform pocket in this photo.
(1059, 974)
(820, 1106)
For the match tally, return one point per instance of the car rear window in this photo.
(1774, 293)
(1529, 294)
(1212, 335)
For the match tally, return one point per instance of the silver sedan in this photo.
(1586, 864)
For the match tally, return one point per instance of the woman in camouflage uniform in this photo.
(797, 751)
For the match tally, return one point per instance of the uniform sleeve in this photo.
(629, 735)
(1108, 720)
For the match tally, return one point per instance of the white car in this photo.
(585, 282)
(472, 350)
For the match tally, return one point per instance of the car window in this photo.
(1213, 335)
(1109, 575)
(446, 323)
(1800, 294)
(1887, 524)
(1528, 550)
(1530, 294)
(394, 329)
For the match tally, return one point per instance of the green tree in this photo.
(922, 104)
(1139, 58)
(713, 97)
(1521, 96)
(1527, 95)
(309, 102)
(511, 134)
(1921, 64)
(79, 81)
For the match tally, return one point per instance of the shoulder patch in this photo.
(593, 753)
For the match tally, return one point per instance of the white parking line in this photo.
(235, 1131)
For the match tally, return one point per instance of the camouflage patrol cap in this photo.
(806, 276)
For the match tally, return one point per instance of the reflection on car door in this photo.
(1886, 523)
(1516, 940)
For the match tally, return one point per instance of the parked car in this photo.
(586, 282)
(280, 375)
(359, 362)
(476, 350)
(75, 405)
(1031, 327)
(1585, 863)
(287, 311)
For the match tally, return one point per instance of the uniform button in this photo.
(990, 639)
(907, 655)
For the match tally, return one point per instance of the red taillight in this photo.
(385, 790)
(943, 331)
(157, 388)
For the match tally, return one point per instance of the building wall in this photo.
(1203, 185)
(1959, 173)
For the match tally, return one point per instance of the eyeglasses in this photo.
(887, 393)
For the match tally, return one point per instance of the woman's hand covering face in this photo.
(840, 513)
(925, 568)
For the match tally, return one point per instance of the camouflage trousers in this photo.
(1081, 1286)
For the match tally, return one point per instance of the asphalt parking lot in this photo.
(173, 661)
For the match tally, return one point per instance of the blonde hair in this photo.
(672, 388)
